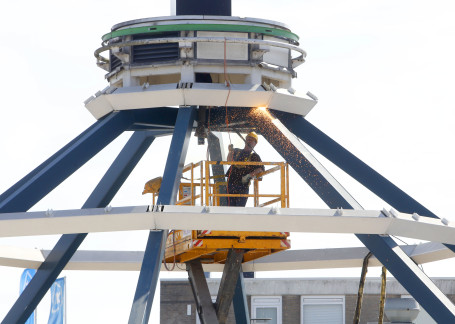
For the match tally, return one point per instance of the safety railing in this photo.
(184, 40)
(282, 197)
(188, 191)
(200, 188)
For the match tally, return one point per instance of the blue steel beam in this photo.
(176, 156)
(122, 166)
(49, 161)
(384, 248)
(352, 165)
(355, 167)
(154, 251)
(44, 278)
(411, 277)
(54, 171)
(145, 119)
(69, 243)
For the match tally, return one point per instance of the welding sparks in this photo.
(263, 111)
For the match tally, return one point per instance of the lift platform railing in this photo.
(199, 185)
(188, 191)
(282, 197)
(200, 188)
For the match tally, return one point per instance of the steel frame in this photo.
(159, 121)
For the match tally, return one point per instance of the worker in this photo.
(239, 176)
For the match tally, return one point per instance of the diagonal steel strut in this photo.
(68, 244)
(154, 251)
(384, 248)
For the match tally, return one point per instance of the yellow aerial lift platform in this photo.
(213, 246)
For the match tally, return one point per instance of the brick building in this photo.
(295, 301)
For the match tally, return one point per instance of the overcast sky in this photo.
(383, 72)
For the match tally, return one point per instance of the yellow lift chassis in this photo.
(213, 246)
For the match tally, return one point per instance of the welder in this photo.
(239, 176)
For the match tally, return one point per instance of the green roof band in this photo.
(204, 27)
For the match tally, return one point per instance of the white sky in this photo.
(383, 72)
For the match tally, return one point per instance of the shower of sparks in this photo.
(263, 112)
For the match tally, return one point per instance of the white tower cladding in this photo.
(199, 60)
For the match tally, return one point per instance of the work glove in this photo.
(246, 179)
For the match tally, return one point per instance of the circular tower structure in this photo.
(212, 59)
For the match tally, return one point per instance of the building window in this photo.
(322, 310)
(266, 309)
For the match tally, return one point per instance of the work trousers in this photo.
(237, 189)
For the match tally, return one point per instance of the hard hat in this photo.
(153, 186)
(253, 135)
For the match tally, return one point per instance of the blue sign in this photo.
(57, 314)
(26, 277)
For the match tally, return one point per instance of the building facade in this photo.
(295, 301)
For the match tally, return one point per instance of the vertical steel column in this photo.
(204, 306)
(228, 284)
(154, 251)
(242, 315)
(68, 243)
(384, 248)
(215, 151)
(176, 156)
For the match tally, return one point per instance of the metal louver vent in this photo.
(114, 61)
(155, 52)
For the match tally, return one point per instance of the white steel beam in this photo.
(200, 94)
(228, 219)
(349, 257)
